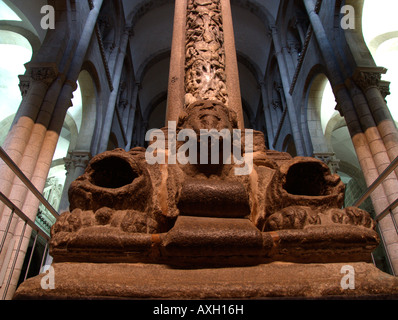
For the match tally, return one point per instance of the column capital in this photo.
(24, 84)
(44, 72)
(330, 159)
(384, 87)
(76, 159)
(367, 78)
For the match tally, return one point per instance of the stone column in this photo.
(267, 114)
(203, 58)
(42, 75)
(369, 80)
(131, 120)
(176, 91)
(39, 176)
(110, 110)
(75, 164)
(21, 137)
(231, 63)
(359, 139)
(294, 53)
(297, 136)
(288, 62)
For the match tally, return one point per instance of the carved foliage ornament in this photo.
(205, 56)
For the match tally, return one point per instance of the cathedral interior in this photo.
(98, 79)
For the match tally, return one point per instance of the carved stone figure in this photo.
(159, 212)
(130, 220)
(283, 209)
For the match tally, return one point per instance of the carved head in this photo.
(207, 114)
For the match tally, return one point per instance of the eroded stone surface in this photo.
(120, 195)
(270, 281)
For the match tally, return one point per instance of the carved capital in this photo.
(384, 87)
(46, 73)
(330, 159)
(76, 159)
(24, 84)
(367, 78)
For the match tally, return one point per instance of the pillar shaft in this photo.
(297, 136)
(131, 120)
(368, 161)
(369, 80)
(231, 63)
(110, 110)
(176, 91)
(50, 139)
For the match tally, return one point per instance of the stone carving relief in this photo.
(124, 208)
(286, 209)
(205, 57)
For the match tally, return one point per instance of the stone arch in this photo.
(335, 123)
(317, 110)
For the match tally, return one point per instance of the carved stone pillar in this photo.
(205, 77)
(203, 64)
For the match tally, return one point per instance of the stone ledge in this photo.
(266, 281)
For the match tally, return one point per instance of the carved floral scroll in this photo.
(205, 56)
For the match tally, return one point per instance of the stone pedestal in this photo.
(265, 281)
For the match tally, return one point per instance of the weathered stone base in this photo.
(149, 281)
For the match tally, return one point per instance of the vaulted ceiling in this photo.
(152, 23)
